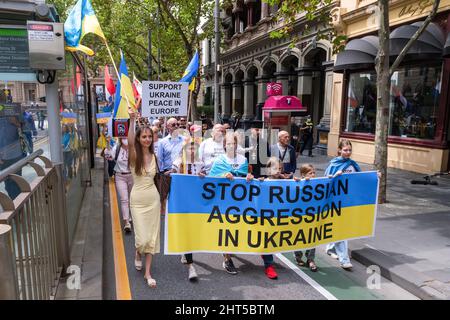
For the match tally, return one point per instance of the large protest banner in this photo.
(219, 215)
(164, 99)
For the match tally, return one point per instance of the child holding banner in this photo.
(339, 165)
(274, 168)
(230, 165)
(188, 163)
(307, 172)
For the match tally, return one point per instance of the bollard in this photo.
(8, 285)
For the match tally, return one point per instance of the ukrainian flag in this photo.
(124, 92)
(81, 21)
(191, 72)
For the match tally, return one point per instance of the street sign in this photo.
(164, 99)
(14, 51)
(10, 109)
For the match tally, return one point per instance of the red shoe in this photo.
(271, 273)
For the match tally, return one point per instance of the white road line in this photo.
(305, 277)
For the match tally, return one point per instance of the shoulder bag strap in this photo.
(157, 165)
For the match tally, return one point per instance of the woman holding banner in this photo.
(230, 165)
(339, 165)
(144, 198)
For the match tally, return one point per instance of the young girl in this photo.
(339, 165)
(307, 172)
(189, 163)
(274, 168)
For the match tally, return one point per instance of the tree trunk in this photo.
(383, 87)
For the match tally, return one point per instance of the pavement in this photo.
(411, 245)
(85, 279)
(411, 248)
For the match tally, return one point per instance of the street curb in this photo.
(395, 271)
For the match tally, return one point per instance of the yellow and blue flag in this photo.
(124, 93)
(191, 71)
(81, 21)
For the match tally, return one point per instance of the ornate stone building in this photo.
(252, 58)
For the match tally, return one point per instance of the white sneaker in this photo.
(332, 254)
(192, 273)
(347, 266)
(183, 259)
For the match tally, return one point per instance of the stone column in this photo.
(262, 87)
(248, 99)
(326, 119)
(226, 100)
(264, 9)
(283, 78)
(237, 102)
(304, 86)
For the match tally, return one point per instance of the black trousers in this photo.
(189, 258)
(307, 144)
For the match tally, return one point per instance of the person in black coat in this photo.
(286, 153)
(256, 152)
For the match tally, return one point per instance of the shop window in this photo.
(413, 105)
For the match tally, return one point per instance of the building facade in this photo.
(252, 58)
(419, 117)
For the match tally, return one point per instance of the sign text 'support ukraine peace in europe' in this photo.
(164, 99)
(218, 215)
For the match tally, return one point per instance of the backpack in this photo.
(112, 163)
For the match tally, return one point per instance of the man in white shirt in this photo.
(211, 148)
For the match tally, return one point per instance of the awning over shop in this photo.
(358, 54)
(283, 103)
(428, 46)
(447, 47)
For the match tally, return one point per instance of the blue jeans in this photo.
(341, 249)
(268, 260)
(29, 137)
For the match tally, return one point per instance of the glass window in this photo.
(413, 105)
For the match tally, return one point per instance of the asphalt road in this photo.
(214, 283)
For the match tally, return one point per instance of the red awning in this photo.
(283, 103)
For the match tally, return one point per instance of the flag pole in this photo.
(189, 105)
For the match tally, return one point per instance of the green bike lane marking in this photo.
(336, 280)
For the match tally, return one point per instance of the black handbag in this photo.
(162, 182)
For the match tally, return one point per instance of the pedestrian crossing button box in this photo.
(46, 45)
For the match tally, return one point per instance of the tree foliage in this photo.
(315, 12)
(126, 23)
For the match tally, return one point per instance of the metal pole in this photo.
(149, 54)
(54, 127)
(159, 44)
(216, 62)
(8, 285)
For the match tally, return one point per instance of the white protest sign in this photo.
(164, 99)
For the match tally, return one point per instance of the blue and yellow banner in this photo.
(68, 117)
(219, 215)
(103, 118)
